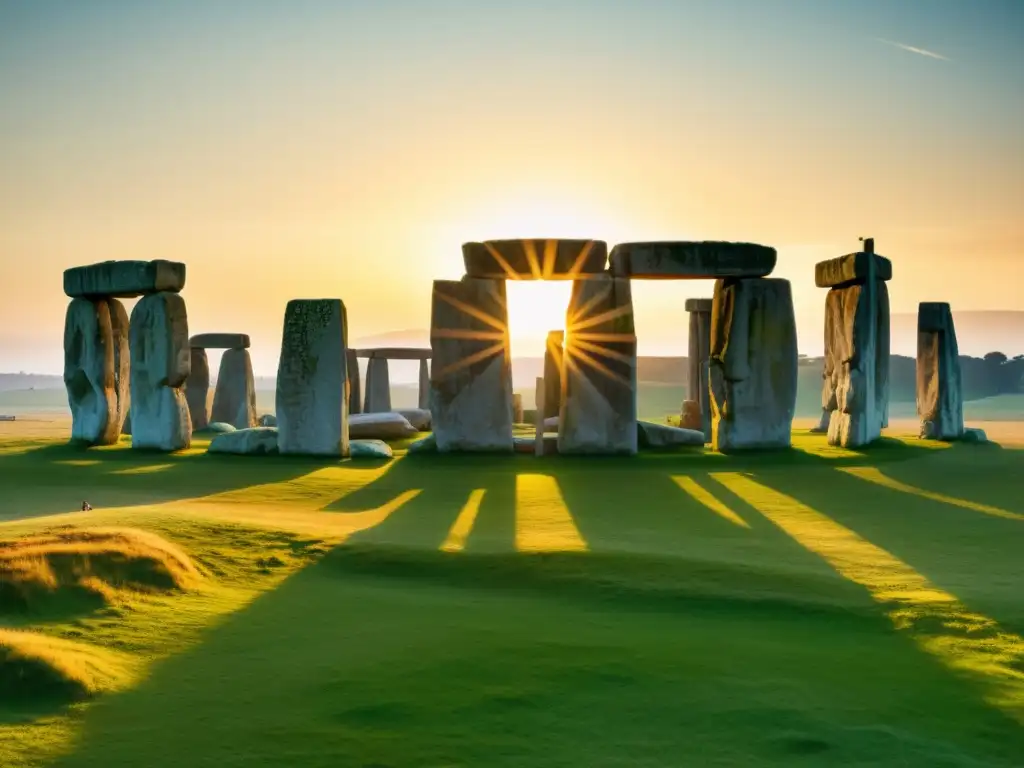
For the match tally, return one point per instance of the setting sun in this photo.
(534, 308)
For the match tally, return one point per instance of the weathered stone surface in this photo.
(160, 364)
(395, 353)
(940, 404)
(535, 259)
(119, 324)
(89, 372)
(355, 396)
(378, 386)
(598, 408)
(219, 428)
(197, 388)
(551, 424)
(668, 260)
(219, 341)
(856, 369)
(471, 373)
(974, 435)
(753, 370)
(379, 426)
(426, 444)
(826, 417)
(423, 391)
(418, 417)
(651, 435)
(849, 269)
(370, 449)
(698, 387)
(691, 416)
(255, 441)
(268, 420)
(517, 408)
(553, 351)
(126, 428)
(124, 279)
(312, 402)
(234, 400)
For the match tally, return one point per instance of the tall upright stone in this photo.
(355, 392)
(423, 399)
(698, 389)
(160, 364)
(312, 389)
(940, 403)
(234, 400)
(470, 376)
(856, 367)
(119, 324)
(197, 389)
(89, 346)
(753, 364)
(378, 386)
(598, 402)
(553, 349)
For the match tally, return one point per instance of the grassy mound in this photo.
(35, 667)
(88, 564)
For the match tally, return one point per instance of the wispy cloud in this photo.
(913, 49)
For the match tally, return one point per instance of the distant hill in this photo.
(977, 332)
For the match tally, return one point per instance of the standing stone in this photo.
(197, 389)
(697, 387)
(378, 386)
(856, 366)
(553, 373)
(424, 388)
(517, 408)
(312, 404)
(753, 366)
(160, 365)
(89, 372)
(471, 369)
(234, 400)
(355, 396)
(119, 324)
(598, 408)
(540, 392)
(940, 403)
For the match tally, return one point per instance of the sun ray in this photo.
(966, 642)
(603, 351)
(465, 333)
(572, 352)
(708, 499)
(463, 525)
(874, 475)
(500, 260)
(605, 317)
(543, 521)
(581, 312)
(472, 311)
(550, 256)
(612, 337)
(530, 251)
(492, 351)
(581, 259)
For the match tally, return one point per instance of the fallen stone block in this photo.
(850, 269)
(219, 341)
(255, 441)
(268, 420)
(370, 449)
(668, 260)
(651, 435)
(418, 417)
(534, 259)
(974, 435)
(124, 279)
(379, 426)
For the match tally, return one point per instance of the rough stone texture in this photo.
(379, 426)
(418, 417)
(534, 259)
(126, 428)
(124, 279)
(119, 325)
(160, 364)
(651, 435)
(753, 369)
(691, 260)
(974, 435)
(268, 420)
(471, 369)
(395, 353)
(856, 370)
(850, 269)
(370, 449)
(256, 441)
(940, 404)
(220, 341)
(312, 401)
(697, 386)
(423, 395)
(598, 403)
(89, 372)
(355, 396)
(553, 352)
(826, 418)
(197, 388)
(219, 428)
(517, 408)
(691, 417)
(234, 401)
(378, 386)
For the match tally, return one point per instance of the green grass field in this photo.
(814, 607)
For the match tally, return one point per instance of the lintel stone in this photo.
(535, 259)
(124, 279)
(699, 305)
(395, 353)
(849, 269)
(219, 341)
(682, 260)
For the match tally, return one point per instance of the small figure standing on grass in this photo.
(86, 506)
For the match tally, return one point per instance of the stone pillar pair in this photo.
(234, 399)
(103, 381)
(378, 377)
